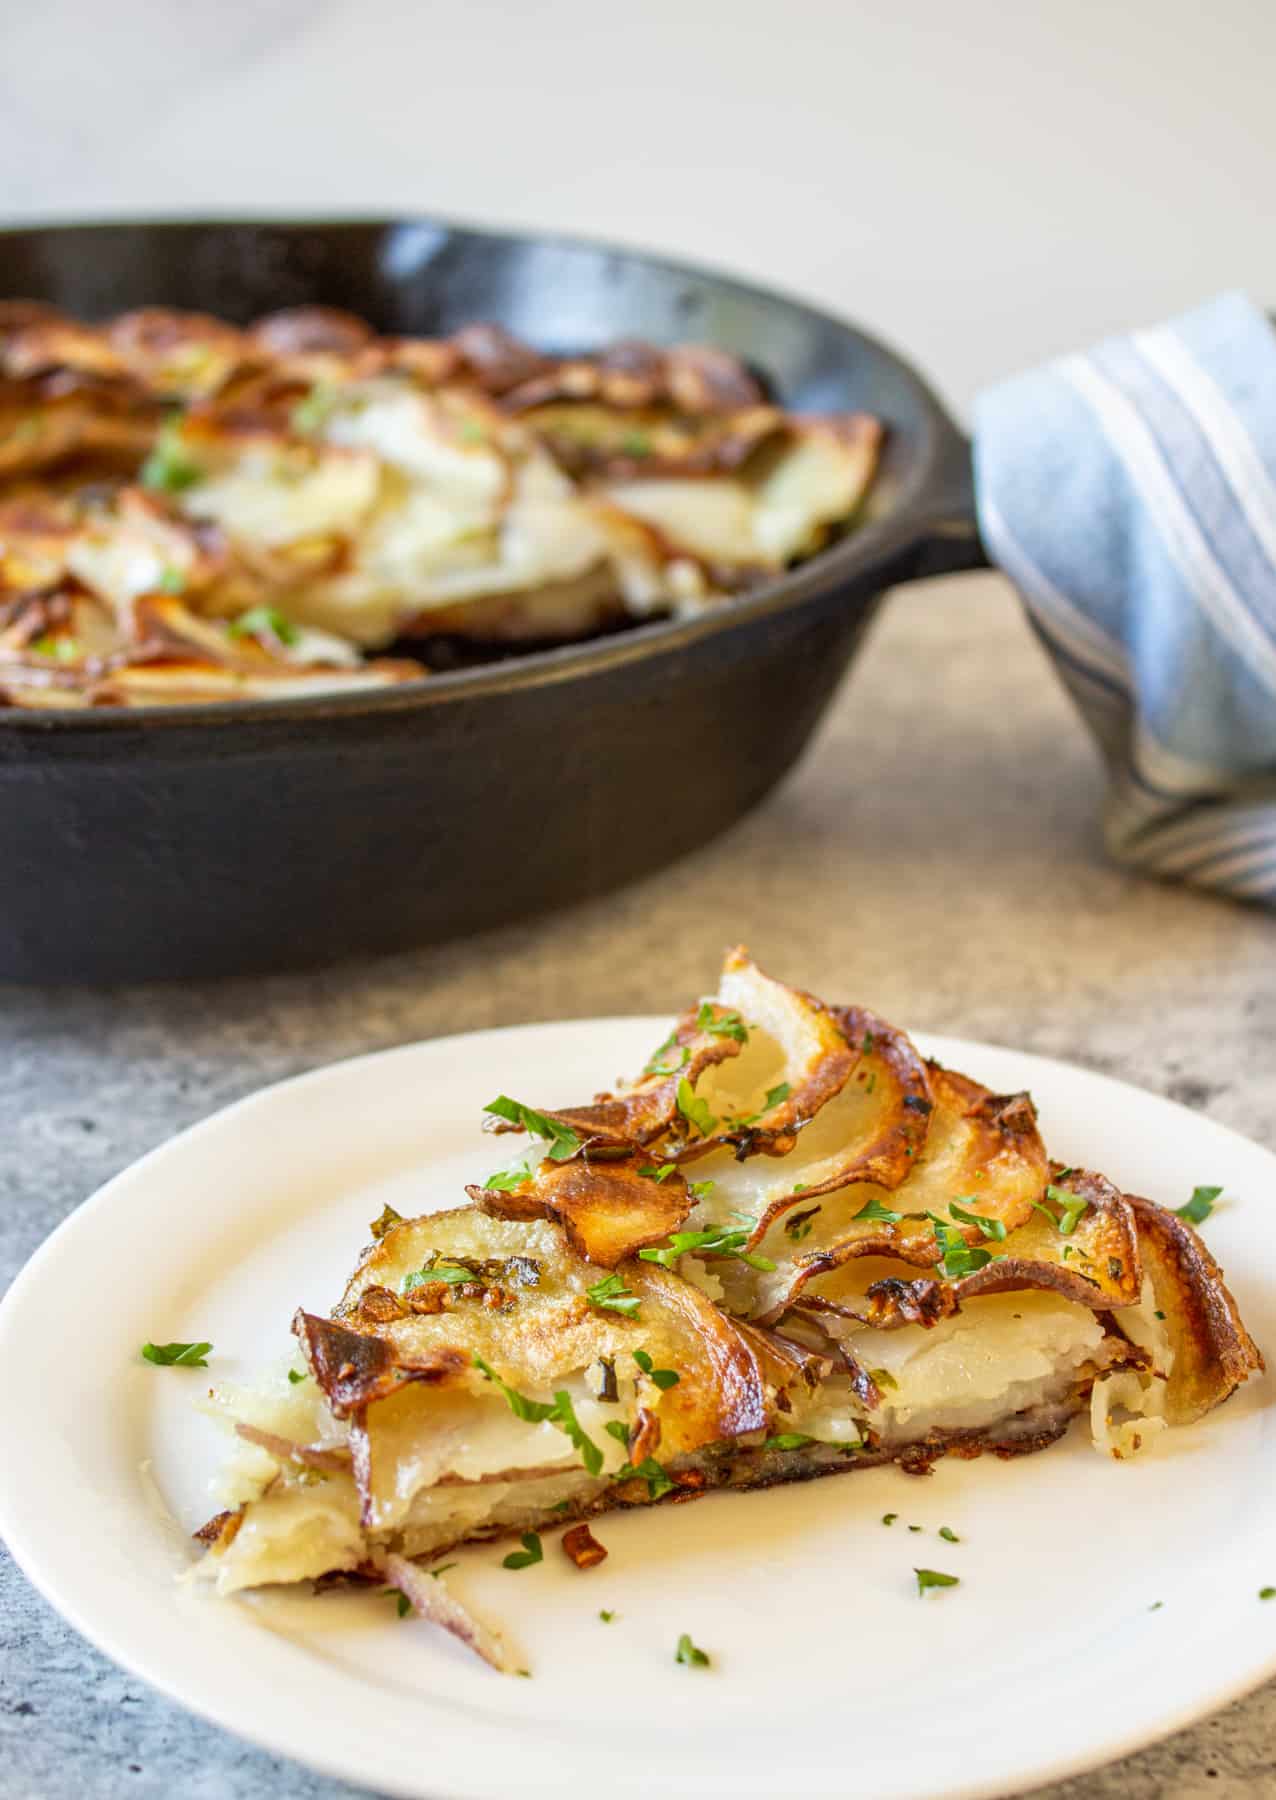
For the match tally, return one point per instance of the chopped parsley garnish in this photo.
(61, 649)
(530, 1553)
(948, 1534)
(1071, 1208)
(1267, 1593)
(695, 1111)
(1158, 1315)
(170, 467)
(611, 1295)
(311, 414)
(867, 1045)
(636, 443)
(875, 1210)
(882, 1378)
(1158, 1604)
(385, 1221)
(957, 1257)
(501, 1181)
(889, 1518)
(171, 579)
(914, 1528)
(452, 1273)
(726, 1024)
(264, 621)
(653, 1173)
(798, 1225)
(989, 1228)
(688, 1653)
(658, 1483)
(775, 1095)
(606, 1616)
(654, 1065)
(562, 1140)
(296, 1375)
(716, 1241)
(700, 1190)
(1200, 1206)
(397, 1594)
(788, 1440)
(177, 1356)
(663, 1378)
(871, 1083)
(564, 1416)
(619, 1430)
(442, 1569)
(932, 1578)
(559, 1411)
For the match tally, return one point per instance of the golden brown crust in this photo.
(609, 1210)
(1097, 1264)
(644, 1110)
(1213, 1352)
(886, 1065)
(355, 1368)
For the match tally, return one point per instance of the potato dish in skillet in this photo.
(193, 511)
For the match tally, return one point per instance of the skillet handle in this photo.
(949, 539)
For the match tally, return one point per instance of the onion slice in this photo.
(429, 1599)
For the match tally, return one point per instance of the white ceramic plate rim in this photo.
(1242, 1655)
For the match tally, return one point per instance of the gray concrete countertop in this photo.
(937, 856)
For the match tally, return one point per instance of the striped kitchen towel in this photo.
(1130, 495)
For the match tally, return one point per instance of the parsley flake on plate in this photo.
(177, 1356)
(716, 1241)
(530, 1553)
(933, 1578)
(1200, 1206)
(688, 1653)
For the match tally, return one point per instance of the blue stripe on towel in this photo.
(1130, 494)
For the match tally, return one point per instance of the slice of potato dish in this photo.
(789, 1247)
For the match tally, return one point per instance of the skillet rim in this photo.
(902, 528)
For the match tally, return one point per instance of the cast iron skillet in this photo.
(243, 837)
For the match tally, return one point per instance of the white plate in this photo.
(829, 1674)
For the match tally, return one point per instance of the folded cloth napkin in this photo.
(1130, 495)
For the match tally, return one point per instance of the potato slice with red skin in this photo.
(796, 1049)
(609, 1209)
(643, 1110)
(1097, 1264)
(980, 1148)
(729, 1376)
(756, 1037)
(875, 1127)
(1213, 1352)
